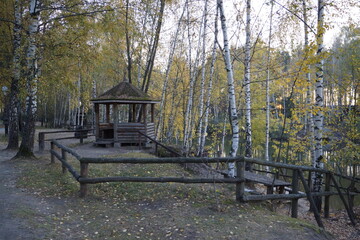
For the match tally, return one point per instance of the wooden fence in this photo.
(79, 133)
(293, 194)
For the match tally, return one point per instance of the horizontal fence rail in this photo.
(297, 178)
(82, 133)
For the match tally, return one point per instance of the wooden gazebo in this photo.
(122, 114)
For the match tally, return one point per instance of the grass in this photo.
(3, 138)
(148, 210)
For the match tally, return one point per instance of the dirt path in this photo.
(13, 203)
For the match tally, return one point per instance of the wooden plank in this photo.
(85, 180)
(69, 150)
(253, 177)
(285, 196)
(284, 165)
(180, 160)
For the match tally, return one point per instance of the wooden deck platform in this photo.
(104, 143)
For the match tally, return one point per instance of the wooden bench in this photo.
(270, 183)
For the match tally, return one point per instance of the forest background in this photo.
(57, 55)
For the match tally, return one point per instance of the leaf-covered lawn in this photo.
(149, 210)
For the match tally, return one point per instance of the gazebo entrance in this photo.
(118, 119)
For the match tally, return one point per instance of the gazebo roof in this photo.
(124, 92)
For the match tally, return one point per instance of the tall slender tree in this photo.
(202, 84)
(13, 136)
(209, 91)
(319, 102)
(167, 74)
(267, 125)
(28, 133)
(247, 80)
(231, 90)
(153, 50)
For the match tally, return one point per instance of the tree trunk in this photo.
(128, 52)
(167, 73)
(189, 116)
(319, 101)
(267, 127)
(231, 90)
(212, 68)
(248, 131)
(13, 136)
(202, 84)
(28, 133)
(309, 120)
(150, 63)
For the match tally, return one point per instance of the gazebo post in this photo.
(134, 112)
(107, 113)
(144, 105)
(97, 121)
(116, 121)
(152, 112)
(144, 113)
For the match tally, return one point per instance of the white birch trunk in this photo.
(248, 132)
(267, 125)
(189, 117)
(309, 121)
(191, 89)
(319, 101)
(28, 136)
(202, 84)
(13, 138)
(231, 90)
(212, 69)
(167, 73)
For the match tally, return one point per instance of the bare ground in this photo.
(157, 212)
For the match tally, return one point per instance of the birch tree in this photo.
(167, 73)
(202, 84)
(13, 138)
(309, 120)
(153, 50)
(319, 102)
(231, 90)
(28, 133)
(248, 132)
(193, 68)
(209, 91)
(267, 125)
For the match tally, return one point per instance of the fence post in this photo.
(83, 174)
(139, 140)
(81, 137)
(41, 141)
(327, 198)
(311, 199)
(295, 190)
(240, 173)
(52, 147)
(349, 211)
(310, 179)
(64, 157)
